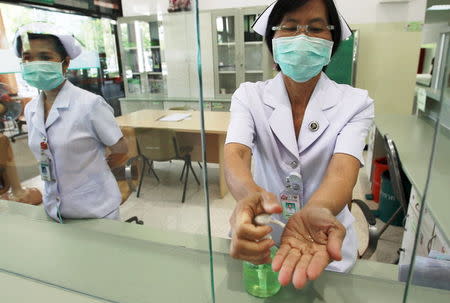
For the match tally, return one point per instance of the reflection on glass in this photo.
(431, 269)
(165, 164)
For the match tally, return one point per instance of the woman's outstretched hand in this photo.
(311, 239)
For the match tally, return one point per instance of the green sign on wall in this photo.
(340, 68)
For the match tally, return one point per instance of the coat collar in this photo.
(325, 96)
(62, 101)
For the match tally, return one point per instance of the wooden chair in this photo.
(162, 145)
(127, 170)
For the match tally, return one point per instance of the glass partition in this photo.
(430, 270)
(183, 191)
(128, 188)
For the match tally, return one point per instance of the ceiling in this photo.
(437, 16)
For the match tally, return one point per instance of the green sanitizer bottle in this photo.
(260, 280)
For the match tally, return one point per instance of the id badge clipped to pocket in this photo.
(291, 196)
(45, 164)
(45, 168)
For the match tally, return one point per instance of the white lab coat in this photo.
(78, 128)
(261, 118)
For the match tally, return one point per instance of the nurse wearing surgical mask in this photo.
(68, 129)
(300, 123)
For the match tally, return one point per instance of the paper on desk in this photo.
(174, 117)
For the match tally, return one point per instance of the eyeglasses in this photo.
(314, 29)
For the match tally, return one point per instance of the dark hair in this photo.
(282, 7)
(57, 45)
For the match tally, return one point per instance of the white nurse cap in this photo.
(261, 23)
(68, 41)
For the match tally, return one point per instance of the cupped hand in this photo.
(311, 239)
(248, 241)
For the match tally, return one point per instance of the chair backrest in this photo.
(126, 186)
(157, 144)
(395, 171)
(5, 158)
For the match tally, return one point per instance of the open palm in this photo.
(311, 239)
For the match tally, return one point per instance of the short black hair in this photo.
(282, 7)
(57, 45)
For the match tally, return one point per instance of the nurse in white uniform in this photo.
(68, 129)
(302, 122)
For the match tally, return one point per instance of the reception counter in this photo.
(109, 261)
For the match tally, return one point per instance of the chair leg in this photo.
(185, 183)
(182, 172)
(150, 165)
(151, 171)
(193, 172)
(154, 174)
(140, 181)
(200, 165)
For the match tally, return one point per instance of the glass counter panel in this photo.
(431, 267)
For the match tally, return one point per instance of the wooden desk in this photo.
(216, 125)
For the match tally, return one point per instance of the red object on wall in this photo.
(381, 166)
(421, 61)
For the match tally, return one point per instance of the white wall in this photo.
(355, 11)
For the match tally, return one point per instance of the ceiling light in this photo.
(442, 7)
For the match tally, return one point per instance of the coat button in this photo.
(294, 164)
(314, 126)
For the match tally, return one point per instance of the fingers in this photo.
(289, 264)
(300, 277)
(317, 265)
(270, 203)
(280, 256)
(258, 260)
(252, 232)
(255, 252)
(335, 238)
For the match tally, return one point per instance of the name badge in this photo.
(45, 169)
(290, 203)
(290, 197)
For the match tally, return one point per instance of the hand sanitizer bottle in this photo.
(260, 280)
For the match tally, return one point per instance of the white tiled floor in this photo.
(391, 239)
(159, 205)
